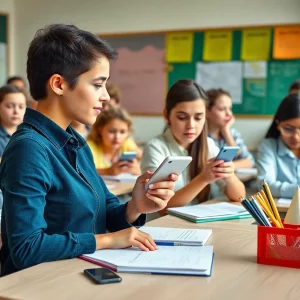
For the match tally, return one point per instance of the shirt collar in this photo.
(4, 133)
(173, 144)
(283, 150)
(54, 133)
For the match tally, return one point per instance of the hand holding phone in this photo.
(128, 156)
(102, 275)
(171, 165)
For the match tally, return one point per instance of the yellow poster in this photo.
(286, 43)
(180, 47)
(217, 45)
(256, 44)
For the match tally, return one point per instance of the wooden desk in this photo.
(235, 275)
(282, 207)
(120, 188)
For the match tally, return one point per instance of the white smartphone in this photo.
(171, 165)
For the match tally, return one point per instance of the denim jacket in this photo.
(54, 200)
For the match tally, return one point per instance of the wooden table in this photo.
(235, 274)
(120, 188)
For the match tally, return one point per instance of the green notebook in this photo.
(202, 213)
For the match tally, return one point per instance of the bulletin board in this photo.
(3, 48)
(144, 75)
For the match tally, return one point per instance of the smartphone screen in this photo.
(103, 275)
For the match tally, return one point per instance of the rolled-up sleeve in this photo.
(27, 180)
(243, 152)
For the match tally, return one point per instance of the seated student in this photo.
(17, 81)
(278, 160)
(82, 129)
(56, 206)
(219, 120)
(186, 134)
(295, 87)
(12, 109)
(108, 139)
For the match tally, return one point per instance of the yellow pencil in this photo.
(263, 195)
(267, 211)
(266, 186)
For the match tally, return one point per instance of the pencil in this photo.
(268, 212)
(264, 197)
(266, 186)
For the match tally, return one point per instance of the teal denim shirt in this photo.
(54, 200)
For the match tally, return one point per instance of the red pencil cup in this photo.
(279, 246)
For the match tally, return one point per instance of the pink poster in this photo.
(141, 77)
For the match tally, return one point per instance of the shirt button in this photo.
(72, 141)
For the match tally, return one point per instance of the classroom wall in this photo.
(8, 6)
(136, 15)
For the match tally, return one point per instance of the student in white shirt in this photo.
(186, 134)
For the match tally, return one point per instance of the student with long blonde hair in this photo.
(109, 138)
(186, 134)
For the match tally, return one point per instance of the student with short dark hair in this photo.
(56, 206)
(278, 160)
(295, 87)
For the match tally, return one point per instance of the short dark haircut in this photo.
(64, 50)
(288, 109)
(13, 78)
(9, 89)
(295, 86)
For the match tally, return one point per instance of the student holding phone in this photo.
(220, 120)
(109, 139)
(56, 206)
(278, 157)
(186, 134)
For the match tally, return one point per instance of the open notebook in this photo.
(185, 260)
(178, 236)
(124, 177)
(210, 212)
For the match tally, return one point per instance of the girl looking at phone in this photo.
(220, 120)
(186, 134)
(278, 160)
(109, 138)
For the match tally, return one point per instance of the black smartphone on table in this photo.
(102, 275)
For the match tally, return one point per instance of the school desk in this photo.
(120, 188)
(235, 274)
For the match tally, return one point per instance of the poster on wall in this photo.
(225, 75)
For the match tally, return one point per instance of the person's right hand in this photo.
(118, 168)
(125, 238)
(208, 173)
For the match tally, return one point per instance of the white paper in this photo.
(206, 211)
(284, 201)
(168, 258)
(255, 69)
(3, 64)
(180, 235)
(225, 75)
(252, 171)
(122, 177)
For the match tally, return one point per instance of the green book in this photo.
(202, 213)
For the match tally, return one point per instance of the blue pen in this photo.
(158, 243)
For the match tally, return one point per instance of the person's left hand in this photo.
(156, 197)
